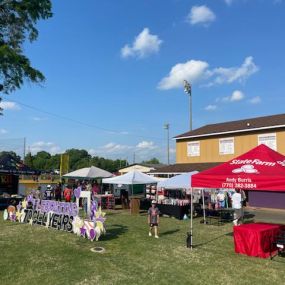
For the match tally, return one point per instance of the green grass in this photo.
(36, 255)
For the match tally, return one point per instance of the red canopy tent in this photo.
(258, 169)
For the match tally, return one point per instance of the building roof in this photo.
(246, 125)
(184, 167)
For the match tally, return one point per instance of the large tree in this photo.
(78, 158)
(12, 153)
(17, 24)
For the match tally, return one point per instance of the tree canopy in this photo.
(17, 24)
(78, 158)
(154, 160)
(12, 153)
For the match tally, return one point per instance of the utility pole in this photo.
(24, 152)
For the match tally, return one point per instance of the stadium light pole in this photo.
(166, 127)
(188, 90)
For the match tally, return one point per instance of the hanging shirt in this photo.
(236, 201)
(221, 196)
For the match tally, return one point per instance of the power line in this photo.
(83, 123)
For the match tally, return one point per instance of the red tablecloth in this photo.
(255, 239)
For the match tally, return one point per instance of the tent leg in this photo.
(204, 211)
(190, 234)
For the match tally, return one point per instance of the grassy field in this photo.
(36, 255)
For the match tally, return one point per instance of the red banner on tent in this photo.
(258, 169)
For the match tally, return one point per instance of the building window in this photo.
(193, 148)
(269, 140)
(227, 146)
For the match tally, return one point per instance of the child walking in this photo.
(153, 219)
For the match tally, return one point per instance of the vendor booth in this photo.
(106, 201)
(173, 196)
(131, 178)
(260, 169)
(10, 169)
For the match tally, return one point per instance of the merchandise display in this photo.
(151, 192)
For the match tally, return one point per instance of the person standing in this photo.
(67, 194)
(237, 206)
(221, 199)
(153, 219)
(95, 188)
(57, 192)
(48, 192)
(124, 198)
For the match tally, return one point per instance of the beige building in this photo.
(224, 141)
(210, 145)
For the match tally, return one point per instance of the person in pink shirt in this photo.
(95, 188)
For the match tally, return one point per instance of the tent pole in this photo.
(190, 234)
(204, 211)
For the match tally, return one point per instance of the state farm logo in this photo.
(248, 168)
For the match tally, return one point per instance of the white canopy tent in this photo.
(131, 178)
(182, 182)
(178, 182)
(88, 173)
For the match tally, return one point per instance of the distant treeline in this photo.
(78, 158)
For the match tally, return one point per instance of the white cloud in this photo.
(110, 148)
(7, 105)
(3, 131)
(192, 71)
(113, 148)
(118, 132)
(144, 45)
(197, 70)
(92, 152)
(50, 147)
(211, 108)
(237, 95)
(229, 75)
(146, 145)
(38, 119)
(229, 2)
(255, 100)
(143, 150)
(201, 15)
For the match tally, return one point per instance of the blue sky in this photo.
(114, 73)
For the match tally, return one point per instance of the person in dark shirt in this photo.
(57, 192)
(153, 219)
(48, 192)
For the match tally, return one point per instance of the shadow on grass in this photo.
(169, 232)
(211, 240)
(248, 215)
(112, 212)
(279, 258)
(249, 221)
(113, 232)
